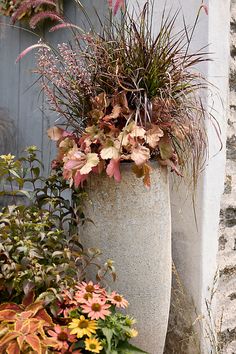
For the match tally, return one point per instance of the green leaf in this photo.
(127, 348)
(36, 171)
(108, 333)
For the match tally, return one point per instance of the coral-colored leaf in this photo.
(113, 170)
(35, 307)
(43, 315)
(10, 306)
(34, 342)
(7, 315)
(8, 338)
(20, 341)
(140, 154)
(26, 314)
(22, 326)
(13, 348)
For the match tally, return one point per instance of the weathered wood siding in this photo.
(24, 116)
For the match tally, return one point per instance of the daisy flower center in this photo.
(62, 337)
(89, 289)
(118, 298)
(96, 307)
(87, 296)
(83, 324)
(92, 346)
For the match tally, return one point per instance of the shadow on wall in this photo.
(7, 133)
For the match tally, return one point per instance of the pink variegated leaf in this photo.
(28, 49)
(113, 170)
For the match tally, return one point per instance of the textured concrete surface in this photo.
(132, 225)
(226, 295)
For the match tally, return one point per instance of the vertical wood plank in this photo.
(9, 81)
(30, 102)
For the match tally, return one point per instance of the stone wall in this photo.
(226, 302)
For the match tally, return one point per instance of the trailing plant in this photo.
(126, 95)
(31, 11)
(40, 247)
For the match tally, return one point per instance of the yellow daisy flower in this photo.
(93, 345)
(83, 327)
(132, 333)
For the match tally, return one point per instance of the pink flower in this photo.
(90, 287)
(83, 297)
(96, 308)
(118, 300)
(62, 336)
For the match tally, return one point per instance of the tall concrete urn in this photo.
(132, 226)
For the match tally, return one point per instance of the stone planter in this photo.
(132, 226)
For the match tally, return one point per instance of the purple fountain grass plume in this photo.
(20, 12)
(65, 25)
(29, 5)
(43, 16)
(36, 3)
(28, 49)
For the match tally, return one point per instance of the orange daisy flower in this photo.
(90, 287)
(96, 308)
(118, 300)
(62, 337)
